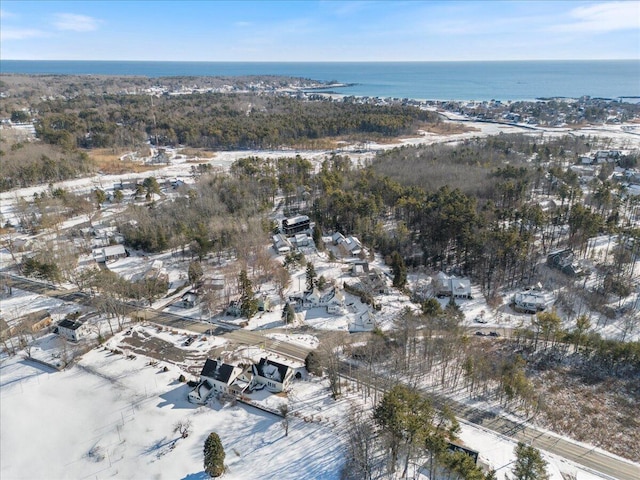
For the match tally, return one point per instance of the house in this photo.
(36, 321)
(107, 254)
(264, 304)
(335, 303)
(213, 284)
(293, 225)
(234, 308)
(275, 376)
(359, 267)
(337, 238)
(301, 240)
(332, 300)
(364, 322)
(188, 300)
(71, 330)
(350, 246)
(563, 260)
(216, 377)
(607, 156)
(281, 244)
(449, 285)
(530, 301)
(374, 282)
(241, 383)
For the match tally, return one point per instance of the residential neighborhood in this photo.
(304, 283)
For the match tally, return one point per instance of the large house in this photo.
(333, 300)
(293, 225)
(216, 377)
(275, 376)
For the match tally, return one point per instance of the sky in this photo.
(319, 30)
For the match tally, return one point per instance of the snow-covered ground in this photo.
(110, 416)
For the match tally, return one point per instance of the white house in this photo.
(275, 376)
(281, 244)
(216, 377)
(71, 330)
(364, 322)
(105, 254)
(531, 301)
(333, 300)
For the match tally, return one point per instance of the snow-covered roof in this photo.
(271, 370)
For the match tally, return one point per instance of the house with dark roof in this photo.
(274, 376)
(564, 260)
(71, 330)
(216, 377)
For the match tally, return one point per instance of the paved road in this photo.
(167, 319)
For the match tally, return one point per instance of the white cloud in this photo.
(602, 17)
(243, 24)
(75, 23)
(5, 14)
(9, 33)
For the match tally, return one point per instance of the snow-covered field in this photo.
(112, 417)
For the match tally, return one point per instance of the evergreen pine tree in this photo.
(399, 270)
(311, 276)
(248, 304)
(529, 464)
(317, 238)
(313, 363)
(213, 455)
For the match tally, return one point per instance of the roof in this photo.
(217, 370)
(114, 250)
(272, 370)
(294, 220)
(69, 324)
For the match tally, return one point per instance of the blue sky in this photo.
(326, 30)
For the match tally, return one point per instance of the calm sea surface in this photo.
(522, 80)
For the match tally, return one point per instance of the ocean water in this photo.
(509, 80)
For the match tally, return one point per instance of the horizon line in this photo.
(330, 61)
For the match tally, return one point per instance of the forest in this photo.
(216, 120)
